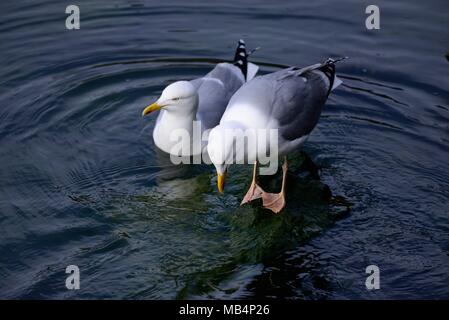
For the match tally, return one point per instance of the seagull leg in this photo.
(276, 201)
(254, 192)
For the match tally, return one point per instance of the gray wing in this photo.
(215, 90)
(298, 101)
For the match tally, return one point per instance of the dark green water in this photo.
(81, 182)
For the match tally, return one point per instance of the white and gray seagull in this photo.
(290, 101)
(204, 99)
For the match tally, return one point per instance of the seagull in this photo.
(289, 101)
(202, 99)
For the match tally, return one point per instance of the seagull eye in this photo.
(176, 99)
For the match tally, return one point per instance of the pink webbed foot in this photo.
(271, 201)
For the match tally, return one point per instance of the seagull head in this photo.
(180, 96)
(223, 150)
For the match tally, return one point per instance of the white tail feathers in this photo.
(252, 71)
(337, 82)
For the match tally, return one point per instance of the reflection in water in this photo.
(82, 182)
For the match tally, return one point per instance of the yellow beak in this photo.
(151, 108)
(221, 182)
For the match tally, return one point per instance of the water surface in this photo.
(82, 183)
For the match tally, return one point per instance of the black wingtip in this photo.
(241, 57)
(334, 61)
(328, 68)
